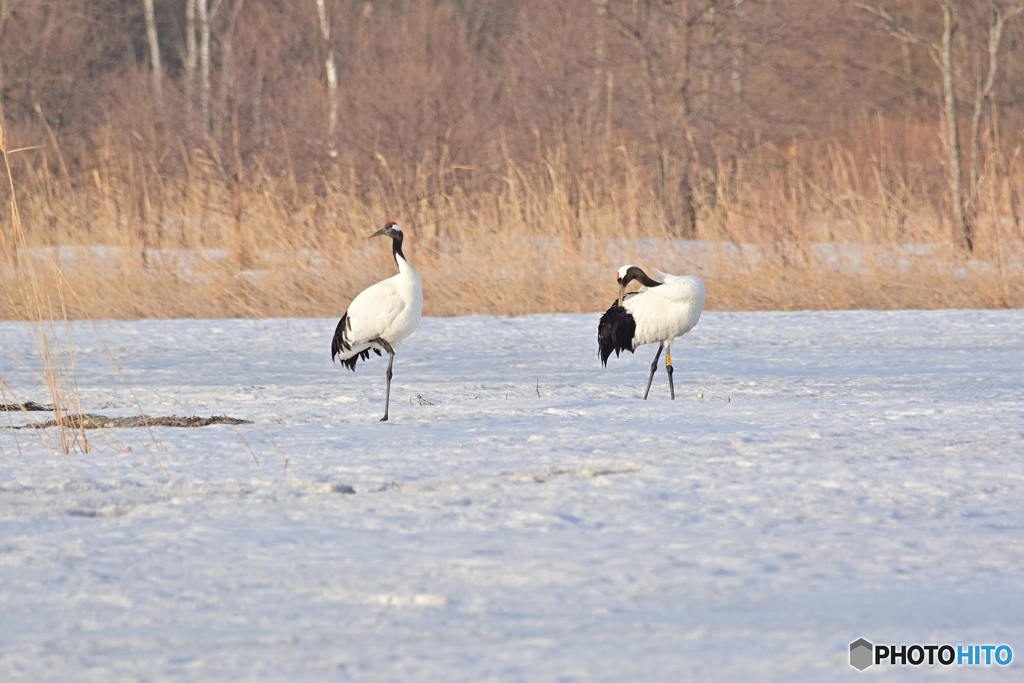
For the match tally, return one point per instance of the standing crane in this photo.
(382, 315)
(660, 311)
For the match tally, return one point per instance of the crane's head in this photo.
(627, 274)
(390, 229)
(620, 275)
(624, 276)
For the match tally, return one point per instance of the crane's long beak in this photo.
(622, 293)
(382, 231)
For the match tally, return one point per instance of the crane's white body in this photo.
(382, 315)
(665, 312)
(666, 307)
(389, 310)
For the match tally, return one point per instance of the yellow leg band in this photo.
(668, 358)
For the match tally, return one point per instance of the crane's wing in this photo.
(371, 313)
(667, 311)
(681, 289)
(661, 277)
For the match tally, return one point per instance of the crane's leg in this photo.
(654, 366)
(668, 368)
(391, 359)
(387, 395)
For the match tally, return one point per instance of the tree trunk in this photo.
(191, 59)
(227, 73)
(690, 159)
(637, 32)
(205, 17)
(154, 54)
(961, 223)
(738, 50)
(654, 128)
(332, 79)
(5, 14)
(984, 97)
(963, 213)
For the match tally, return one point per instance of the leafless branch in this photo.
(894, 28)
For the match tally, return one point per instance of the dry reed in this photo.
(42, 303)
(809, 227)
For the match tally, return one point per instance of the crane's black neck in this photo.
(396, 247)
(640, 276)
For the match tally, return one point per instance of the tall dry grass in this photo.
(813, 225)
(41, 301)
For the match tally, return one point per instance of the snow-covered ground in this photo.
(845, 475)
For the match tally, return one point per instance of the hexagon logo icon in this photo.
(861, 654)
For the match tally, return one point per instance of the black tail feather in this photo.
(340, 345)
(615, 333)
(350, 363)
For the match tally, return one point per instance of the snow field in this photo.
(846, 475)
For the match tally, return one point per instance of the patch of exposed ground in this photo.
(90, 421)
(28, 405)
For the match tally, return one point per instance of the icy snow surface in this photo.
(845, 475)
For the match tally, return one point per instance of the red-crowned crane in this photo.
(382, 315)
(659, 312)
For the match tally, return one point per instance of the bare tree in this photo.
(637, 31)
(701, 28)
(154, 53)
(332, 79)
(191, 57)
(701, 95)
(676, 41)
(738, 53)
(950, 22)
(1000, 15)
(941, 53)
(5, 14)
(206, 13)
(227, 79)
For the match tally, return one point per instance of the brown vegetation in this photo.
(794, 154)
